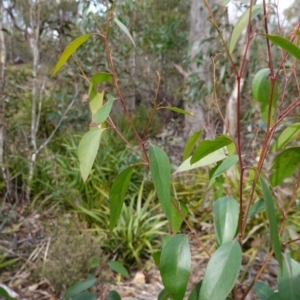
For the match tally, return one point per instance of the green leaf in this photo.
(161, 175)
(101, 115)
(226, 217)
(209, 146)
(117, 194)
(207, 160)
(179, 110)
(287, 135)
(96, 100)
(242, 23)
(5, 295)
(87, 151)
(124, 29)
(195, 293)
(275, 296)
(113, 295)
(176, 217)
(77, 287)
(262, 290)
(175, 265)
(164, 295)
(289, 279)
(285, 165)
(271, 214)
(256, 208)
(85, 296)
(95, 262)
(285, 45)
(223, 167)
(261, 89)
(156, 257)
(118, 267)
(221, 272)
(191, 143)
(101, 77)
(69, 50)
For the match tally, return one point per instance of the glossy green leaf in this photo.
(87, 151)
(221, 272)
(261, 89)
(271, 214)
(164, 295)
(85, 296)
(101, 115)
(161, 175)
(5, 295)
(285, 165)
(209, 146)
(175, 265)
(69, 50)
(289, 279)
(179, 110)
(117, 194)
(262, 290)
(226, 217)
(113, 295)
(256, 208)
(101, 77)
(287, 135)
(285, 45)
(206, 161)
(176, 217)
(242, 23)
(223, 167)
(96, 101)
(118, 267)
(78, 287)
(195, 293)
(124, 29)
(191, 143)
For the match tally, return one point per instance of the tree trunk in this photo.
(197, 101)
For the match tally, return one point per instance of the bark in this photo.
(199, 31)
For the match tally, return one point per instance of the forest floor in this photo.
(24, 242)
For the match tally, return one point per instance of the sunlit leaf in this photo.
(261, 89)
(179, 110)
(226, 217)
(124, 29)
(117, 194)
(101, 77)
(271, 214)
(87, 151)
(221, 272)
(78, 287)
(101, 115)
(161, 175)
(209, 146)
(191, 143)
(289, 279)
(223, 167)
(69, 50)
(119, 268)
(206, 161)
(285, 45)
(285, 165)
(175, 265)
(262, 290)
(287, 135)
(96, 100)
(242, 23)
